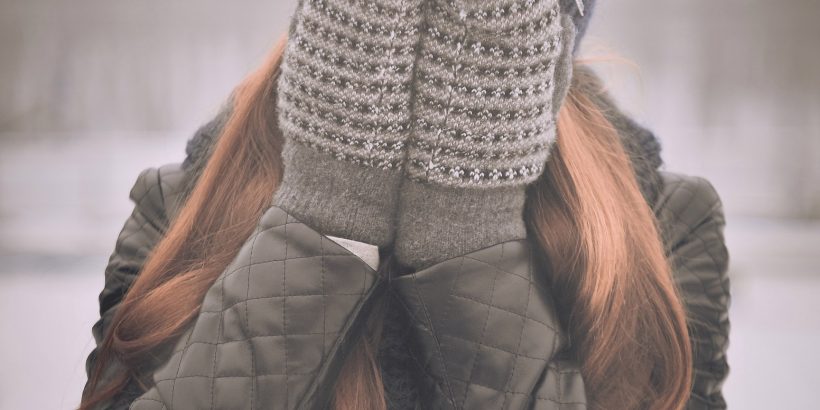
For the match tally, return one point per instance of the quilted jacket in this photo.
(482, 330)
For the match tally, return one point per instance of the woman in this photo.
(418, 204)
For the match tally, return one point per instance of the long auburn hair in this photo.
(598, 235)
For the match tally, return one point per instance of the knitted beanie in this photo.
(581, 12)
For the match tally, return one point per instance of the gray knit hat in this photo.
(399, 115)
(581, 13)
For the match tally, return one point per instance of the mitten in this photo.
(344, 108)
(490, 78)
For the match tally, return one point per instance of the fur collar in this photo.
(641, 144)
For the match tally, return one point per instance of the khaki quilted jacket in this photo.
(276, 325)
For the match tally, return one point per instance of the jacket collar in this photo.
(641, 145)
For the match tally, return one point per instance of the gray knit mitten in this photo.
(420, 120)
(344, 108)
(490, 77)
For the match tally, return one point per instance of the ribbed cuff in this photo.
(338, 198)
(436, 223)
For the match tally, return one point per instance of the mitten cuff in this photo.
(338, 198)
(436, 223)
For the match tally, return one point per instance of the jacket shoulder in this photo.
(690, 213)
(155, 193)
(158, 192)
(683, 203)
(258, 312)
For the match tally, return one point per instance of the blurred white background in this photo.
(92, 92)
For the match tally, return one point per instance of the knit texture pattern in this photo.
(464, 86)
(410, 111)
(343, 102)
(346, 78)
(483, 103)
(490, 79)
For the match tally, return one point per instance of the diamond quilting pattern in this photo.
(268, 324)
(498, 317)
(487, 332)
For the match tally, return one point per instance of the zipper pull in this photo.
(580, 4)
